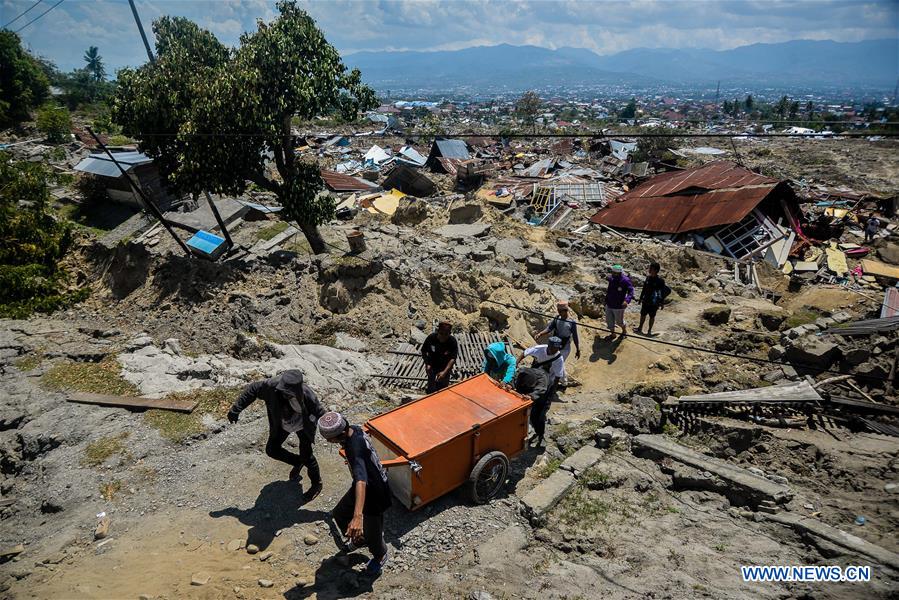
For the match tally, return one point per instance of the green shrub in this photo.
(33, 243)
(55, 122)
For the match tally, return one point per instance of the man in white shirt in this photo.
(549, 357)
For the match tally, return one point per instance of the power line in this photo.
(38, 17)
(587, 134)
(22, 14)
(605, 330)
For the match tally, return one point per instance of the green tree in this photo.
(32, 243)
(23, 84)
(809, 110)
(748, 103)
(794, 109)
(630, 111)
(80, 87)
(95, 63)
(783, 105)
(527, 108)
(215, 114)
(55, 122)
(726, 108)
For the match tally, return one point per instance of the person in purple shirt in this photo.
(618, 296)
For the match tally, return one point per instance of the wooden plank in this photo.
(184, 406)
(874, 267)
(790, 392)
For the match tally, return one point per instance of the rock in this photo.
(555, 261)
(200, 578)
(891, 488)
(264, 556)
(480, 595)
(776, 352)
(310, 540)
(779, 479)
(771, 320)
(772, 376)
(172, 346)
(841, 317)
(718, 315)
(514, 249)
(582, 460)
(889, 253)
(49, 506)
(410, 211)
(345, 341)
(141, 341)
(465, 213)
(535, 265)
(235, 545)
(102, 529)
(812, 352)
(460, 232)
(609, 436)
(718, 299)
(266, 583)
(252, 548)
(542, 498)
(856, 356)
(480, 254)
(871, 371)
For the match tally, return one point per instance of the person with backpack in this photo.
(564, 327)
(652, 297)
(548, 359)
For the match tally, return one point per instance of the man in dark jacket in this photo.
(292, 407)
(535, 382)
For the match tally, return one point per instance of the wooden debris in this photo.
(184, 406)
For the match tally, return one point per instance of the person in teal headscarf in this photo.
(499, 364)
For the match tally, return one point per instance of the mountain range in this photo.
(873, 63)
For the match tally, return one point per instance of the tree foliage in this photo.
(527, 107)
(95, 64)
(55, 122)
(629, 111)
(210, 116)
(23, 83)
(32, 243)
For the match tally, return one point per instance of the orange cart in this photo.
(462, 435)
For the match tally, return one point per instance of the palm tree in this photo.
(95, 63)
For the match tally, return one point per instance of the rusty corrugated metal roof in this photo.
(338, 182)
(718, 193)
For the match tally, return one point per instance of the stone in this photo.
(555, 261)
(870, 370)
(779, 479)
(264, 556)
(141, 341)
(410, 211)
(776, 352)
(609, 436)
(460, 232)
(544, 497)
(718, 315)
(514, 249)
(480, 595)
(856, 356)
(812, 352)
(252, 548)
(266, 583)
(841, 317)
(718, 299)
(889, 253)
(465, 213)
(172, 346)
(772, 376)
(891, 488)
(235, 545)
(310, 540)
(582, 460)
(345, 341)
(535, 265)
(200, 578)
(771, 320)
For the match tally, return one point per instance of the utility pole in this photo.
(717, 93)
(140, 27)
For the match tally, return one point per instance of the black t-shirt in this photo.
(366, 466)
(437, 353)
(653, 293)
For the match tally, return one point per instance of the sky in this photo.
(604, 26)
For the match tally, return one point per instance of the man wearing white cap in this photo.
(360, 513)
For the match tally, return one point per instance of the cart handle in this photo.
(399, 461)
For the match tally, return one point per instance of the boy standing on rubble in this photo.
(292, 407)
(618, 295)
(652, 297)
(360, 513)
(439, 352)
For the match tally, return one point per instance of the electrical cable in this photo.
(587, 134)
(38, 17)
(27, 10)
(605, 330)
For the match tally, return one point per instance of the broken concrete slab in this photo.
(837, 536)
(812, 352)
(541, 499)
(755, 488)
(555, 261)
(609, 436)
(514, 249)
(462, 231)
(501, 548)
(465, 213)
(582, 460)
(535, 265)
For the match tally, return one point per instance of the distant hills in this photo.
(801, 62)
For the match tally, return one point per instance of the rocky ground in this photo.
(188, 497)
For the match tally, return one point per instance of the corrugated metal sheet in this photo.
(452, 149)
(718, 193)
(890, 303)
(865, 327)
(338, 182)
(100, 164)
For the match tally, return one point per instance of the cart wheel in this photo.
(487, 477)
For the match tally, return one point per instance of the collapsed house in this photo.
(139, 167)
(445, 155)
(720, 206)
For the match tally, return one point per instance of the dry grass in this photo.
(97, 378)
(96, 453)
(178, 427)
(109, 489)
(269, 231)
